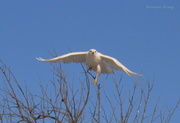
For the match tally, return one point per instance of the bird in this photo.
(94, 60)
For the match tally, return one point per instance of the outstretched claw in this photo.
(95, 81)
(89, 69)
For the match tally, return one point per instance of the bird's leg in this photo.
(98, 72)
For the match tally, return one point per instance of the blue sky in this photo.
(143, 35)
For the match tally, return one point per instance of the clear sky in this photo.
(144, 35)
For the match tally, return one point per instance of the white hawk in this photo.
(94, 60)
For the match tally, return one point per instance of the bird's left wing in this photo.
(114, 63)
(67, 58)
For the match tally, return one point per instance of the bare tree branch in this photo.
(61, 101)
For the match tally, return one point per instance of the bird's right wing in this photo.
(77, 57)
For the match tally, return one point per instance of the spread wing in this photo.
(67, 58)
(114, 63)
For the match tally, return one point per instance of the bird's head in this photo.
(92, 51)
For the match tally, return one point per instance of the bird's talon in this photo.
(89, 70)
(95, 81)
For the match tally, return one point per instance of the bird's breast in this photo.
(92, 60)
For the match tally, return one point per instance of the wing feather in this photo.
(67, 58)
(114, 63)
